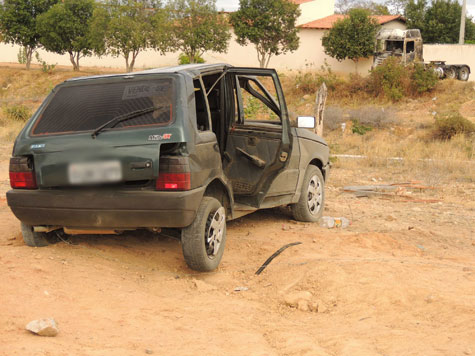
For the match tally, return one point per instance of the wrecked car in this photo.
(186, 148)
(408, 47)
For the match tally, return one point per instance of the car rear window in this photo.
(87, 106)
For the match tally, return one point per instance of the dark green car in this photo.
(186, 147)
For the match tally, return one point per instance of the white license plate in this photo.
(95, 172)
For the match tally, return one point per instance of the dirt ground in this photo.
(399, 281)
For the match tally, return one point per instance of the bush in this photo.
(309, 82)
(184, 59)
(395, 81)
(390, 79)
(359, 128)
(19, 113)
(373, 116)
(45, 67)
(448, 125)
(423, 79)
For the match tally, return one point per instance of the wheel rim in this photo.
(463, 73)
(215, 232)
(451, 73)
(314, 195)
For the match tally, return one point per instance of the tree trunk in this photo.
(73, 61)
(132, 63)
(29, 55)
(356, 65)
(126, 56)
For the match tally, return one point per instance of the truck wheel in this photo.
(464, 73)
(312, 199)
(203, 241)
(450, 73)
(33, 239)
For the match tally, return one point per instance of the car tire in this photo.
(310, 206)
(32, 238)
(203, 241)
(463, 73)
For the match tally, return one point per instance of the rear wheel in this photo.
(463, 73)
(32, 238)
(450, 72)
(203, 241)
(312, 198)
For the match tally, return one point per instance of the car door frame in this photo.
(284, 152)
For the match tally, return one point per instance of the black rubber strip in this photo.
(276, 253)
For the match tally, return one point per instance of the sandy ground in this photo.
(399, 281)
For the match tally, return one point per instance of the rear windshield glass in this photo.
(87, 107)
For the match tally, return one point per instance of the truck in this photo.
(408, 46)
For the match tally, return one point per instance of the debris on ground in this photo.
(399, 190)
(43, 327)
(241, 289)
(331, 222)
(274, 255)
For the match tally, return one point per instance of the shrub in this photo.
(448, 125)
(333, 117)
(45, 67)
(390, 79)
(184, 59)
(309, 82)
(359, 128)
(373, 116)
(423, 79)
(19, 113)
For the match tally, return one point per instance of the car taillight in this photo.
(173, 181)
(22, 173)
(174, 174)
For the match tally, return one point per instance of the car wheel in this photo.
(32, 238)
(203, 241)
(464, 73)
(312, 198)
(450, 72)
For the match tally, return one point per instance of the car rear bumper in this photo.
(105, 209)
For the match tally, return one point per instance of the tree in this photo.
(439, 22)
(130, 27)
(268, 24)
(198, 27)
(18, 23)
(352, 37)
(396, 7)
(415, 13)
(65, 28)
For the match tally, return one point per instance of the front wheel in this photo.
(203, 241)
(312, 198)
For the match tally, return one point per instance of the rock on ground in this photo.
(43, 327)
(292, 299)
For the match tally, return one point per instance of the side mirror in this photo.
(306, 122)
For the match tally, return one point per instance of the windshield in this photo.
(86, 107)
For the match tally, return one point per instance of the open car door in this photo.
(258, 143)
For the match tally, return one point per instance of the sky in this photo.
(232, 5)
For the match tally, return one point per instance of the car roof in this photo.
(192, 70)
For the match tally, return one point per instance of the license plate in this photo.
(95, 172)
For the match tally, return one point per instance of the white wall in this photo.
(314, 10)
(310, 55)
